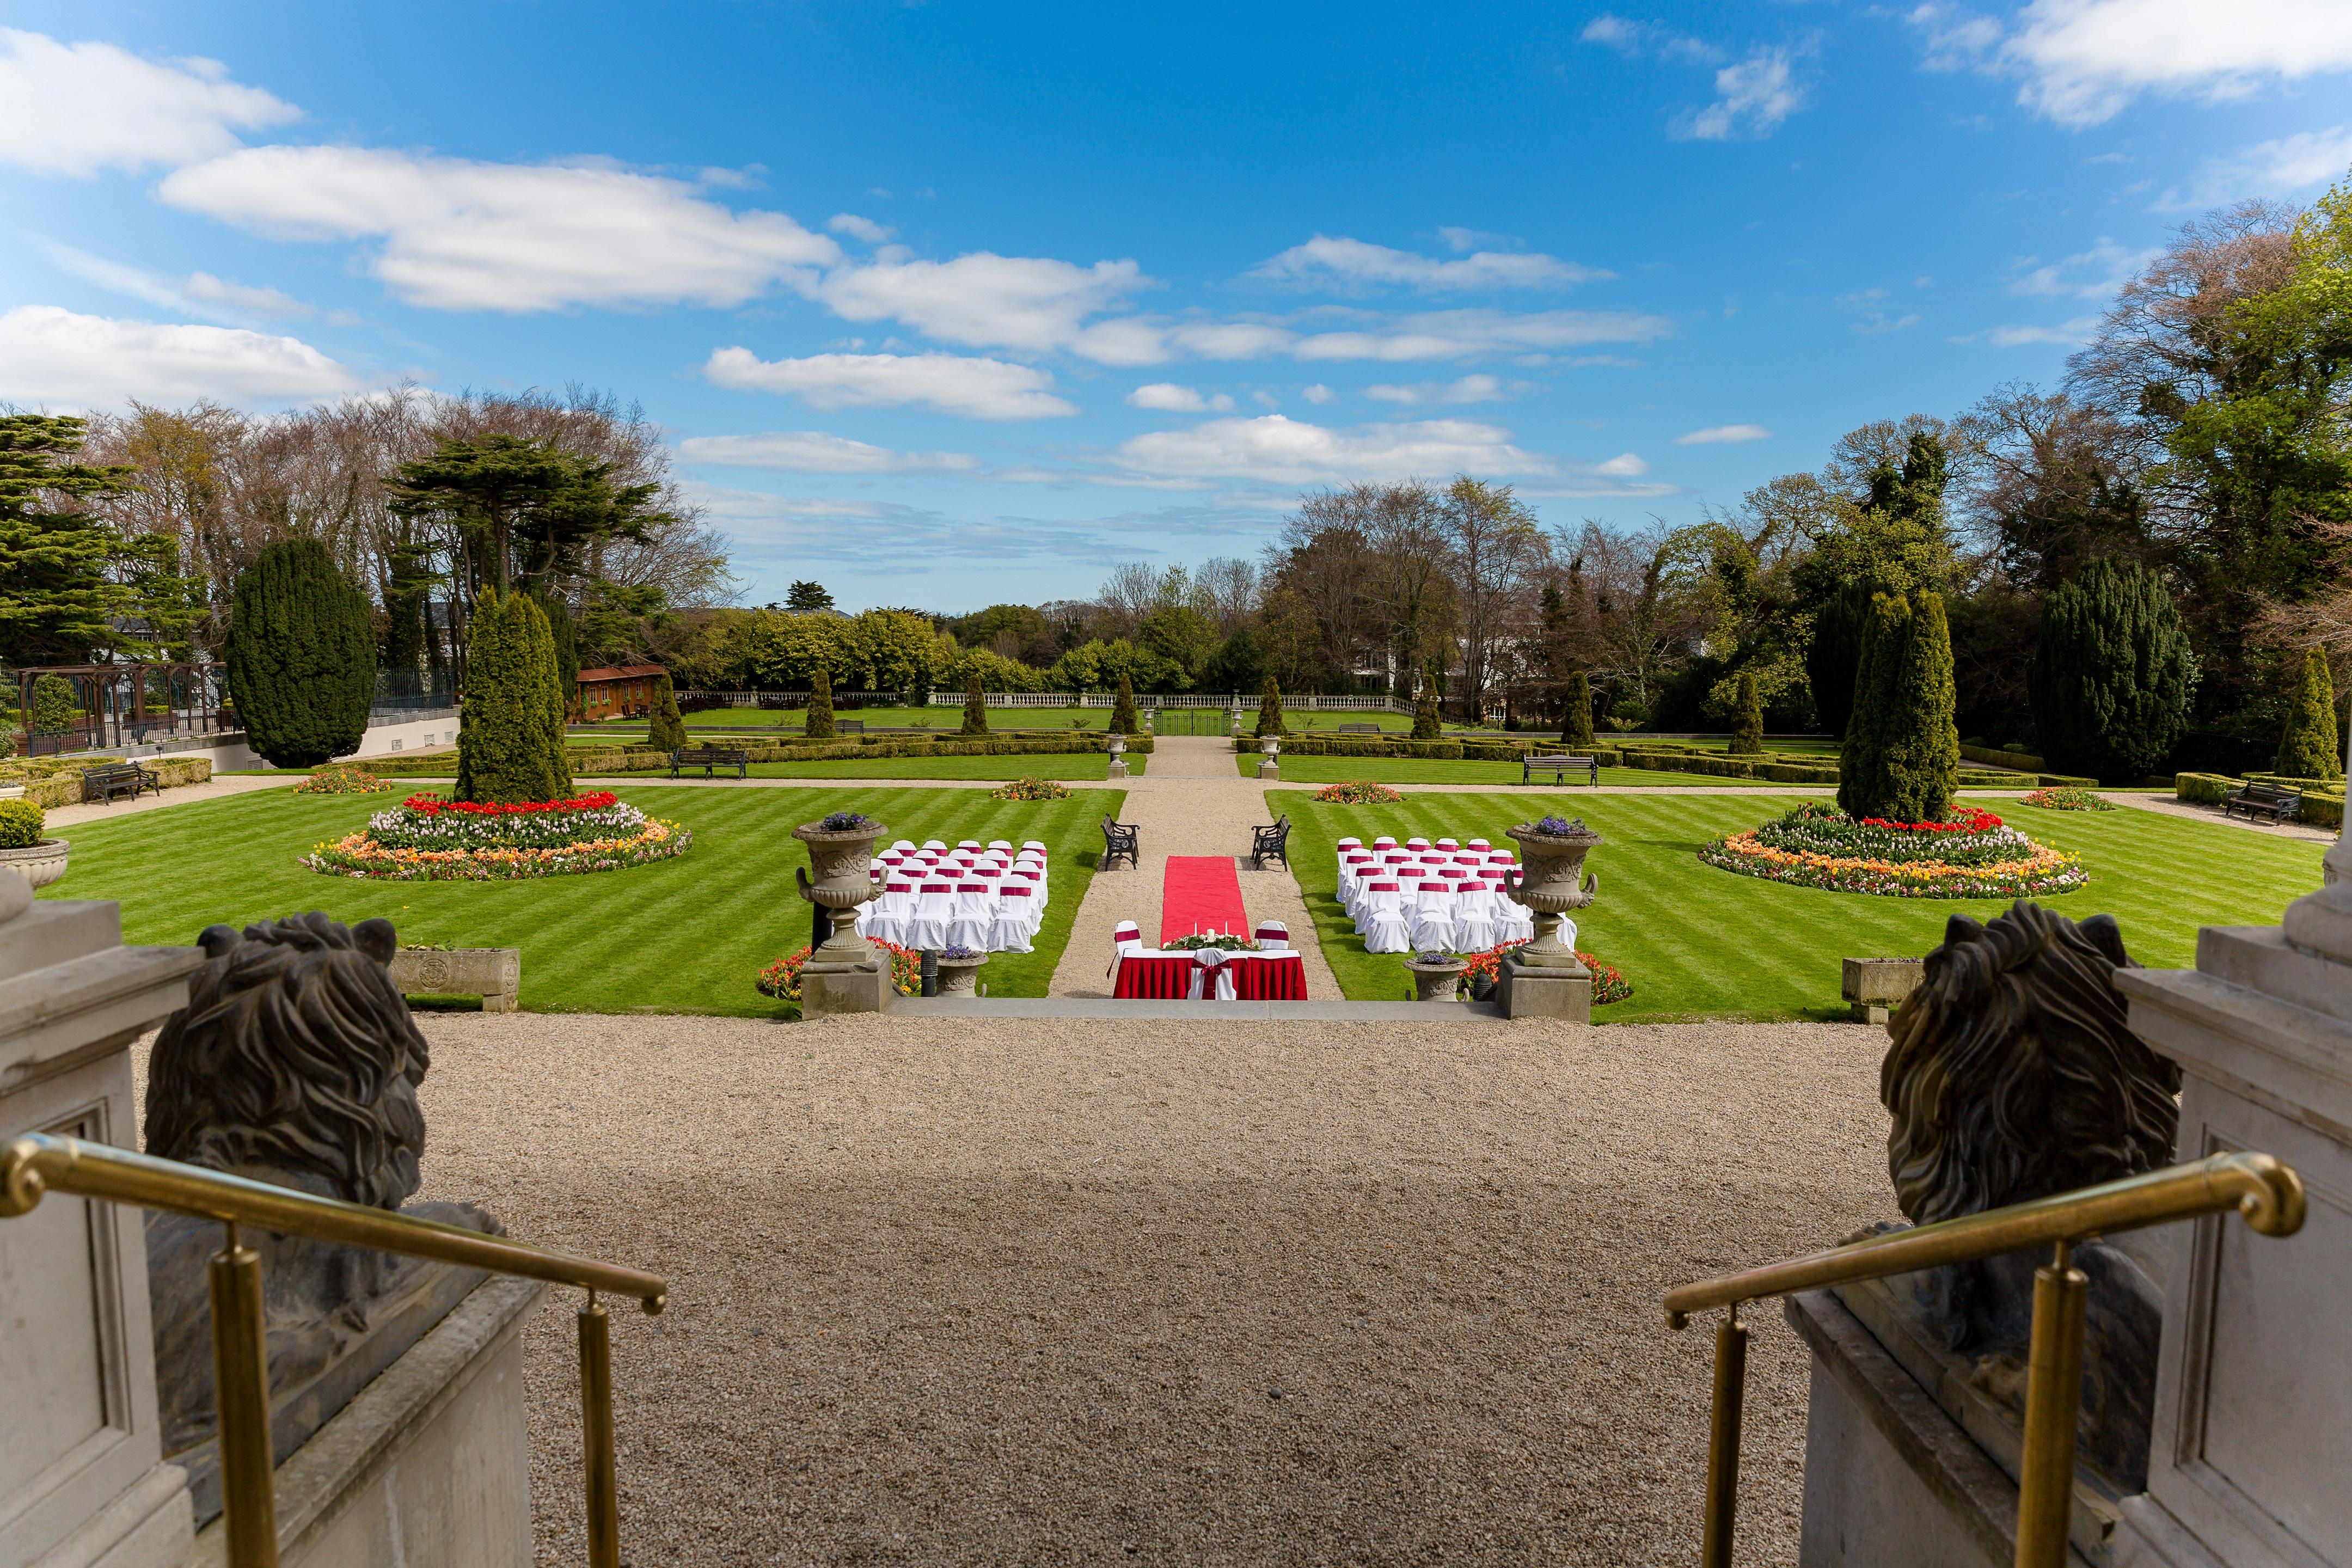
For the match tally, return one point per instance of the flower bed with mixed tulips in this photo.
(429, 840)
(1358, 792)
(1609, 985)
(2069, 799)
(1972, 854)
(782, 979)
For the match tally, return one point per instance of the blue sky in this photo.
(947, 304)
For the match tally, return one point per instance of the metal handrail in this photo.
(2267, 1194)
(35, 1162)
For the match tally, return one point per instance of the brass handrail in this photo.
(2266, 1193)
(36, 1163)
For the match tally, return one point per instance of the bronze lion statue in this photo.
(2013, 1074)
(295, 1062)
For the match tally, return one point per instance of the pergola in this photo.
(126, 703)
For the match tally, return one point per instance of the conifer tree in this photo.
(2312, 744)
(1902, 755)
(820, 708)
(301, 655)
(975, 706)
(1122, 708)
(1748, 735)
(2112, 674)
(566, 638)
(668, 731)
(1426, 724)
(1576, 729)
(1834, 655)
(1269, 710)
(510, 726)
(56, 709)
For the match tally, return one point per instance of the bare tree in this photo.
(1228, 587)
(1131, 593)
(1495, 548)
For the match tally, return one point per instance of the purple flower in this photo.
(1557, 827)
(962, 953)
(846, 822)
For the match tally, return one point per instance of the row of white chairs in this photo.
(990, 898)
(1420, 897)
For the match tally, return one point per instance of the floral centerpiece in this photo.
(427, 839)
(1026, 788)
(1969, 854)
(1358, 792)
(2069, 799)
(344, 778)
(782, 979)
(1200, 939)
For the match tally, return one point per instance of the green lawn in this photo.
(760, 720)
(1696, 940)
(685, 935)
(1444, 770)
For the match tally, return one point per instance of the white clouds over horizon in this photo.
(55, 357)
(2278, 167)
(1723, 436)
(1176, 399)
(817, 452)
(1346, 263)
(1752, 98)
(953, 383)
(74, 109)
(1274, 449)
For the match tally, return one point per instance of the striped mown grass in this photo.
(1697, 941)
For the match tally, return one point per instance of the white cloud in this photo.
(975, 389)
(1456, 334)
(2077, 330)
(857, 227)
(1032, 304)
(199, 294)
(1176, 399)
(816, 452)
(1615, 31)
(1468, 389)
(1723, 436)
(2093, 275)
(457, 235)
(1623, 466)
(1869, 303)
(1317, 394)
(2275, 168)
(55, 357)
(75, 109)
(1753, 97)
(1343, 263)
(1272, 450)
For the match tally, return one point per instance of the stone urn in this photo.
(956, 975)
(1435, 976)
(1548, 886)
(1118, 769)
(1269, 749)
(848, 973)
(39, 864)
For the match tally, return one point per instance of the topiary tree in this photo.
(2112, 674)
(1902, 755)
(1269, 710)
(1748, 731)
(301, 655)
(1426, 724)
(668, 731)
(510, 724)
(56, 709)
(975, 708)
(820, 708)
(1122, 708)
(2312, 744)
(1576, 727)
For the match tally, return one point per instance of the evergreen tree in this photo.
(56, 709)
(668, 731)
(2113, 674)
(406, 598)
(566, 636)
(1269, 710)
(1747, 736)
(510, 726)
(1835, 653)
(806, 598)
(301, 655)
(975, 708)
(2313, 745)
(63, 587)
(1576, 729)
(820, 708)
(1902, 755)
(1426, 724)
(1122, 708)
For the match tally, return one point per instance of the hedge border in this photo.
(66, 788)
(1775, 768)
(645, 759)
(2322, 806)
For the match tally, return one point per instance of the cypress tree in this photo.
(1902, 755)
(975, 706)
(566, 636)
(820, 708)
(1269, 710)
(1426, 725)
(301, 655)
(1576, 729)
(2312, 744)
(668, 731)
(1835, 654)
(2112, 674)
(1122, 708)
(56, 709)
(510, 725)
(1747, 737)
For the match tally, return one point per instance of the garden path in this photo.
(183, 794)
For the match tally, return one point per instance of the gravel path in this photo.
(181, 795)
(1026, 1292)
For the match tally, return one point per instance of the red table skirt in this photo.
(1274, 977)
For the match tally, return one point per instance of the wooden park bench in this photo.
(1357, 730)
(1119, 839)
(849, 726)
(1271, 843)
(105, 781)
(709, 759)
(2277, 802)
(1559, 767)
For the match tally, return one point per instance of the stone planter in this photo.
(493, 973)
(1118, 769)
(846, 975)
(1548, 886)
(39, 864)
(958, 975)
(1877, 986)
(1269, 749)
(1435, 982)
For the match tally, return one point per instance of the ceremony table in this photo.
(1213, 974)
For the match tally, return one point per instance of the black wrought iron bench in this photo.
(849, 726)
(1120, 840)
(1270, 844)
(2276, 802)
(709, 759)
(111, 779)
(1559, 767)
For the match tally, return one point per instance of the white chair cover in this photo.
(974, 919)
(1432, 918)
(1273, 936)
(1382, 922)
(1016, 921)
(926, 927)
(1213, 977)
(885, 917)
(1473, 918)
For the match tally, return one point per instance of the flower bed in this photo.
(1026, 788)
(429, 840)
(1609, 985)
(1358, 792)
(1972, 854)
(344, 778)
(782, 979)
(2069, 799)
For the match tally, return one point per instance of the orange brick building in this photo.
(624, 694)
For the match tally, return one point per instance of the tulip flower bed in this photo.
(1358, 792)
(1972, 854)
(428, 838)
(1609, 982)
(782, 979)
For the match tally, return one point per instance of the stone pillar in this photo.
(82, 1479)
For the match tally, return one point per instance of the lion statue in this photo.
(2014, 1075)
(295, 1062)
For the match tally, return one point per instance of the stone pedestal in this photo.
(493, 973)
(1266, 769)
(1875, 987)
(845, 990)
(1526, 991)
(83, 1480)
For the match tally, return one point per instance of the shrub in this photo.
(1576, 727)
(2112, 674)
(1269, 708)
(819, 708)
(1902, 755)
(2312, 747)
(975, 709)
(301, 655)
(1834, 657)
(1748, 738)
(1122, 708)
(510, 726)
(56, 709)
(1425, 724)
(667, 732)
(20, 824)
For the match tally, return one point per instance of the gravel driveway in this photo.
(1035, 1292)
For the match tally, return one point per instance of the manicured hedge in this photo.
(66, 788)
(1992, 756)
(2319, 809)
(1662, 757)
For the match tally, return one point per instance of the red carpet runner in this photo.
(1201, 892)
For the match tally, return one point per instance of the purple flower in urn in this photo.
(846, 822)
(1557, 827)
